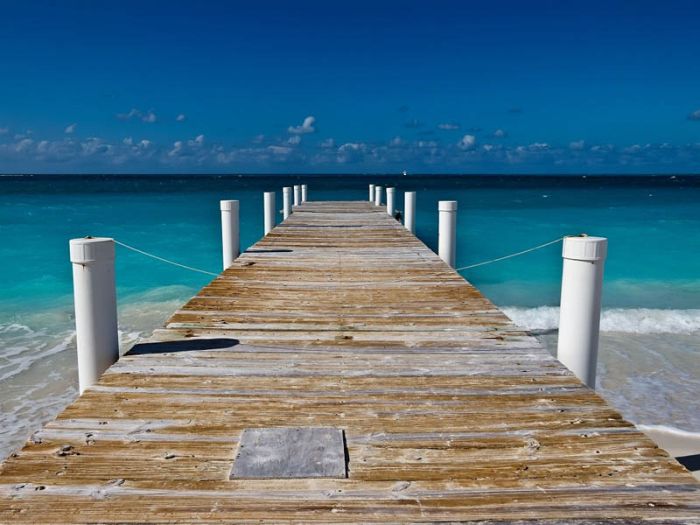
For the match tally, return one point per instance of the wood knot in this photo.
(67, 450)
(532, 445)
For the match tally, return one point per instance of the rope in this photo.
(164, 260)
(511, 255)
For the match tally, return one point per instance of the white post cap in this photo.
(585, 248)
(447, 206)
(229, 205)
(91, 249)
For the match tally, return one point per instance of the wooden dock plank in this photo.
(341, 318)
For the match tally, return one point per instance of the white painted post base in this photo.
(409, 211)
(297, 195)
(304, 192)
(579, 316)
(371, 193)
(447, 233)
(390, 201)
(269, 210)
(230, 232)
(286, 202)
(377, 195)
(95, 297)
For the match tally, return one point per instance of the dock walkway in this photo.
(341, 319)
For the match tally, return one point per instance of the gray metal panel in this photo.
(296, 452)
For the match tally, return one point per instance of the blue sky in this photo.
(305, 86)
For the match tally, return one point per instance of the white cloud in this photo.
(499, 133)
(176, 149)
(34, 152)
(306, 127)
(142, 144)
(280, 150)
(577, 145)
(468, 142)
(181, 117)
(71, 128)
(695, 115)
(148, 117)
(350, 152)
(23, 145)
(351, 146)
(128, 116)
(95, 146)
(198, 141)
(448, 126)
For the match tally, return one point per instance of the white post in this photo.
(579, 315)
(286, 202)
(409, 211)
(390, 201)
(371, 193)
(230, 232)
(447, 238)
(269, 210)
(377, 195)
(97, 337)
(304, 192)
(297, 195)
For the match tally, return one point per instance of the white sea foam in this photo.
(38, 374)
(628, 320)
(675, 441)
(22, 347)
(674, 431)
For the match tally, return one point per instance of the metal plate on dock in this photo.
(298, 452)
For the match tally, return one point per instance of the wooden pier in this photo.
(341, 319)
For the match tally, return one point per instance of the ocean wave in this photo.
(628, 320)
(22, 347)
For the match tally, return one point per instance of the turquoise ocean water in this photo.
(650, 346)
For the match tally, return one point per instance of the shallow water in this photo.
(649, 366)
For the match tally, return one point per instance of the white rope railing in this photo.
(523, 252)
(162, 259)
